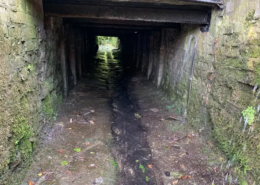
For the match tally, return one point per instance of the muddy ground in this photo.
(116, 128)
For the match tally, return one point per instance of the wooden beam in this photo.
(118, 24)
(141, 3)
(127, 13)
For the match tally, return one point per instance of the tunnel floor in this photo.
(116, 128)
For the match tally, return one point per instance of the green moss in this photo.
(26, 148)
(240, 148)
(249, 17)
(21, 130)
(254, 52)
(234, 63)
(48, 106)
(257, 74)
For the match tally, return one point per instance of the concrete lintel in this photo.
(127, 13)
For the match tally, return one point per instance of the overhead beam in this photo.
(127, 13)
(82, 21)
(141, 3)
(126, 25)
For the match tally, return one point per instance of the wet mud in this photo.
(116, 128)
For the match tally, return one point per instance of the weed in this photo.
(142, 168)
(77, 149)
(29, 68)
(249, 114)
(147, 178)
(64, 163)
(179, 110)
(114, 163)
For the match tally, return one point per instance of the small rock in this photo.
(167, 173)
(154, 110)
(98, 180)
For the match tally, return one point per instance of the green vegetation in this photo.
(29, 68)
(101, 40)
(249, 114)
(64, 163)
(50, 105)
(142, 168)
(22, 133)
(114, 163)
(77, 150)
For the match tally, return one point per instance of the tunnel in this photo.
(129, 92)
(143, 27)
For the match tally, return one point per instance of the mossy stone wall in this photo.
(227, 67)
(30, 82)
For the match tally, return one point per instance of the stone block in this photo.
(228, 30)
(257, 10)
(4, 15)
(31, 45)
(237, 27)
(29, 33)
(22, 18)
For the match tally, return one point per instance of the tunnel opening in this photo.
(127, 70)
(102, 57)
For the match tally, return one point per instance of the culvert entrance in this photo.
(100, 83)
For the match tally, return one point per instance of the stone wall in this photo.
(226, 69)
(30, 82)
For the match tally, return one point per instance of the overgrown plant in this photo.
(249, 115)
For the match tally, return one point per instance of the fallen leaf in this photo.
(79, 158)
(91, 165)
(31, 183)
(91, 122)
(40, 174)
(70, 128)
(61, 151)
(92, 111)
(70, 120)
(175, 182)
(186, 177)
(68, 172)
(183, 167)
(172, 118)
(87, 144)
(137, 115)
(150, 166)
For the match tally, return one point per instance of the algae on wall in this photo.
(24, 60)
(227, 67)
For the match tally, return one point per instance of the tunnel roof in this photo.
(131, 14)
